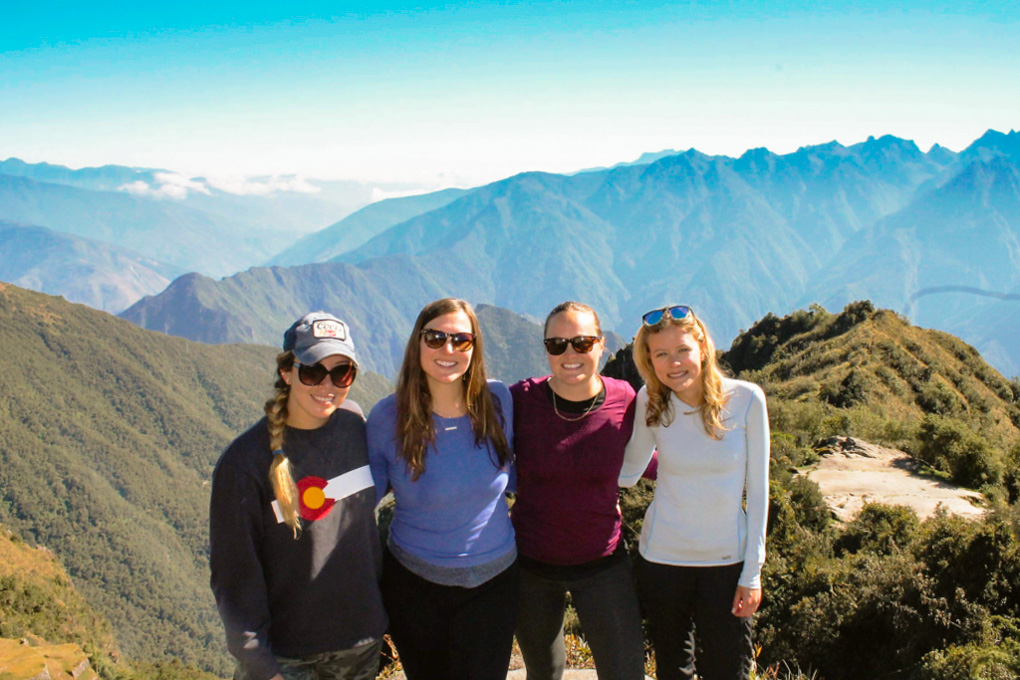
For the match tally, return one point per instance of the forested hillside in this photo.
(37, 601)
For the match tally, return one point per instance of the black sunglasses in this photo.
(462, 342)
(675, 312)
(342, 375)
(582, 344)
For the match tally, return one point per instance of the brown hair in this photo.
(415, 429)
(280, 475)
(571, 306)
(660, 411)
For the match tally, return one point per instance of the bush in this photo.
(808, 504)
(973, 561)
(861, 617)
(937, 398)
(995, 657)
(949, 445)
(853, 390)
(879, 529)
(853, 314)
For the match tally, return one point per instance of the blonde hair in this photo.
(660, 410)
(415, 429)
(280, 475)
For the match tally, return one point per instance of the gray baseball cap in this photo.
(318, 335)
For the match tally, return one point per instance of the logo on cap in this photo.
(327, 328)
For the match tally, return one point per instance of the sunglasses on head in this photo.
(675, 312)
(434, 339)
(582, 344)
(342, 375)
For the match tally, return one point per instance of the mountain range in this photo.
(94, 273)
(933, 234)
(176, 224)
(736, 238)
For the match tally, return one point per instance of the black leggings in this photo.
(607, 607)
(448, 632)
(678, 600)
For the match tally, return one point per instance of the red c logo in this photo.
(312, 501)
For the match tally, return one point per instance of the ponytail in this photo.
(280, 475)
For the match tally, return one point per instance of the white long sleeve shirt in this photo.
(696, 517)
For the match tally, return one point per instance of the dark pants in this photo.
(359, 663)
(449, 632)
(682, 603)
(607, 607)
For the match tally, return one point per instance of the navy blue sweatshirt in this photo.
(283, 597)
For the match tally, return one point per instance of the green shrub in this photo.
(879, 529)
(852, 390)
(994, 657)
(810, 509)
(861, 617)
(937, 398)
(949, 445)
(973, 562)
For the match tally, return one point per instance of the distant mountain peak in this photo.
(889, 142)
(756, 160)
(827, 148)
(994, 143)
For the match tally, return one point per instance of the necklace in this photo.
(580, 417)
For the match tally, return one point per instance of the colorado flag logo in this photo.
(317, 496)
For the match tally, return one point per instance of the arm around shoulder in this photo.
(381, 430)
(641, 445)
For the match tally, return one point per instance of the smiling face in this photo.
(446, 366)
(310, 406)
(574, 375)
(676, 357)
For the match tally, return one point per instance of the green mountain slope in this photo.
(870, 373)
(37, 600)
(108, 435)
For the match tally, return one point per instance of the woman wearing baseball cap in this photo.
(294, 549)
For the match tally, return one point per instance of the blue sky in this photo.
(462, 93)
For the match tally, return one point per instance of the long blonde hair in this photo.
(280, 475)
(415, 429)
(660, 410)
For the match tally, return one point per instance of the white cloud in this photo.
(139, 188)
(172, 179)
(174, 185)
(243, 186)
(170, 185)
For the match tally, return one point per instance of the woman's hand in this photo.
(746, 601)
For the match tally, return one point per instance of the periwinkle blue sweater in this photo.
(455, 516)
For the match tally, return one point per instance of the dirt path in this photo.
(853, 472)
